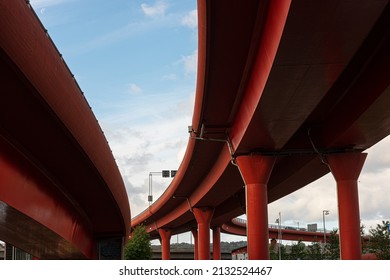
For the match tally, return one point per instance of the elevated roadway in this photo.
(286, 92)
(237, 227)
(61, 194)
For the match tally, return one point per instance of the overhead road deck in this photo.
(298, 81)
(61, 192)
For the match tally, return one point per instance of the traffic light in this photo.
(165, 173)
(173, 173)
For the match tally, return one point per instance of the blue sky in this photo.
(136, 64)
(135, 61)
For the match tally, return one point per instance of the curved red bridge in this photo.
(287, 91)
(61, 194)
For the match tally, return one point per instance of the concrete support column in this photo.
(165, 237)
(195, 235)
(203, 217)
(255, 171)
(346, 169)
(216, 243)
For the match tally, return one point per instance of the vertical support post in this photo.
(165, 237)
(195, 234)
(346, 169)
(216, 243)
(203, 217)
(256, 171)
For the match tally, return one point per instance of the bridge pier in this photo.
(255, 171)
(203, 217)
(194, 232)
(346, 169)
(165, 238)
(217, 243)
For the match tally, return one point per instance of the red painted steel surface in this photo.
(255, 171)
(203, 217)
(194, 232)
(346, 169)
(290, 79)
(216, 243)
(47, 125)
(257, 215)
(200, 156)
(165, 235)
(25, 189)
(275, 18)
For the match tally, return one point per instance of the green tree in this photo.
(379, 243)
(314, 251)
(138, 247)
(297, 251)
(273, 251)
(283, 252)
(332, 248)
(363, 239)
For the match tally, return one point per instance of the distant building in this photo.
(312, 227)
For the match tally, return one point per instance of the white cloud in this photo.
(186, 105)
(134, 89)
(190, 63)
(169, 77)
(156, 10)
(378, 158)
(156, 143)
(190, 19)
(306, 204)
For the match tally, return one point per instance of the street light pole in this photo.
(324, 212)
(279, 221)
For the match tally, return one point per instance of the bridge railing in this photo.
(242, 222)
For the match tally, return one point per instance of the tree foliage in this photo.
(379, 243)
(314, 251)
(297, 251)
(365, 244)
(139, 246)
(332, 248)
